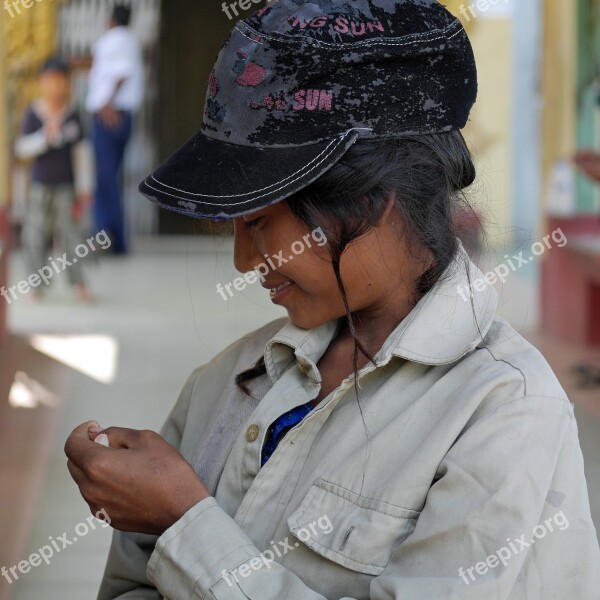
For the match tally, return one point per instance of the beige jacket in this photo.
(463, 478)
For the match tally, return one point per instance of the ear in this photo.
(389, 206)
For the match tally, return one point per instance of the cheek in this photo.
(312, 272)
(318, 298)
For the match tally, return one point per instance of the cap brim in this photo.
(208, 178)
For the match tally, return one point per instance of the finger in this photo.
(87, 426)
(122, 437)
(80, 479)
(76, 473)
(94, 431)
(78, 445)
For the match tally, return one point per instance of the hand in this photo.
(141, 481)
(110, 116)
(80, 205)
(589, 162)
(53, 131)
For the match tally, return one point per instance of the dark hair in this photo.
(425, 172)
(121, 15)
(56, 65)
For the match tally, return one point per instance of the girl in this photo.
(388, 439)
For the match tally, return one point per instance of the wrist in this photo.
(55, 141)
(184, 501)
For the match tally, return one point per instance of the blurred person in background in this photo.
(116, 89)
(60, 192)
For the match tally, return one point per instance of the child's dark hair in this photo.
(54, 64)
(121, 15)
(425, 172)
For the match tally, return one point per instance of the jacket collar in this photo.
(441, 329)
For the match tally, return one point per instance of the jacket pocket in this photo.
(356, 532)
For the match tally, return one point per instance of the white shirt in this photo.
(117, 56)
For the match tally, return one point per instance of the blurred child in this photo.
(61, 177)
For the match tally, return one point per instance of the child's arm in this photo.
(83, 168)
(83, 171)
(38, 138)
(33, 141)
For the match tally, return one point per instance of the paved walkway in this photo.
(158, 316)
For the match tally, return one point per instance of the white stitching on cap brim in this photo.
(300, 172)
(420, 38)
(316, 158)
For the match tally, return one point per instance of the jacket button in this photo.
(252, 432)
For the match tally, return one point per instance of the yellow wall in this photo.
(559, 73)
(26, 40)
(3, 111)
(489, 132)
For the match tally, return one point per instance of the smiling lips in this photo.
(274, 291)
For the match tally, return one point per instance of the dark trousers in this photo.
(109, 148)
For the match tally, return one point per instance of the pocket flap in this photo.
(356, 532)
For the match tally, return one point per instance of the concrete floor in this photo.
(156, 318)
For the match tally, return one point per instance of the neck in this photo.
(373, 327)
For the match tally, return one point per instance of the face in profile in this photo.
(374, 267)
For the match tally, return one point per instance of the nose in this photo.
(246, 254)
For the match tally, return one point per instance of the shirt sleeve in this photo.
(125, 573)
(30, 123)
(32, 141)
(121, 64)
(492, 486)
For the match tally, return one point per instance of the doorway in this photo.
(192, 33)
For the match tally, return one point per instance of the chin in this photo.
(303, 323)
(307, 321)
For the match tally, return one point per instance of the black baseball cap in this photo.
(298, 82)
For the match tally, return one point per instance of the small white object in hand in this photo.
(102, 438)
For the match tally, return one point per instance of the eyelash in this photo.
(253, 223)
